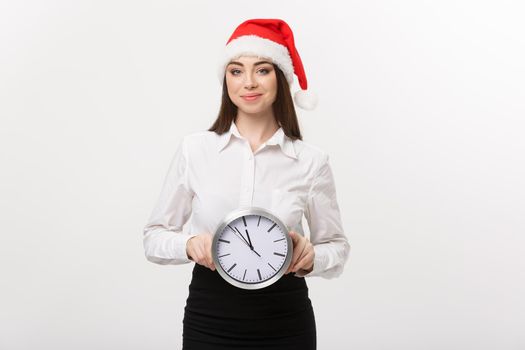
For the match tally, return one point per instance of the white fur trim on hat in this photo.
(255, 45)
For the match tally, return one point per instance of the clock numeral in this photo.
(259, 273)
(244, 273)
(259, 221)
(279, 254)
(223, 240)
(272, 267)
(231, 268)
(222, 256)
(271, 228)
(278, 240)
(244, 220)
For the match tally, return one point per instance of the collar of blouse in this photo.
(278, 138)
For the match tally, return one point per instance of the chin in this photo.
(254, 110)
(257, 108)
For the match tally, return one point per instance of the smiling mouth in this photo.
(251, 98)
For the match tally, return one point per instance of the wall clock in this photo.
(251, 248)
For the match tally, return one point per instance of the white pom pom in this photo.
(305, 99)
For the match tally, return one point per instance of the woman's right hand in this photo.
(198, 249)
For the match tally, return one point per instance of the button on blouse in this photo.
(211, 175)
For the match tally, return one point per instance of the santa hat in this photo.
(270, 38)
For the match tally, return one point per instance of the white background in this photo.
(421, 107)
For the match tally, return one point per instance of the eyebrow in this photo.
(255, 64)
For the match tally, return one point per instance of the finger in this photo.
(299, 245)
(293, 266)
(209, 261)
(208, 256)
(193, 249)
(294, 236)
(294, 239)
(189, 248)
(201, 255)
(193, 253)
(299, 249)
(304, 248)
(304, 262)
(210, 242)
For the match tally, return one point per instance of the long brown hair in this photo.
(283, 109)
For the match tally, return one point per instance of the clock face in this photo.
(252, 248)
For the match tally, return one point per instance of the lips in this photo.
(251, 97)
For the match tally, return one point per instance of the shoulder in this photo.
(198, 136)
(320, 175)
(199, 144)
(195, 139)
(308, 152)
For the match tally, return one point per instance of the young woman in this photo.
(253, 155)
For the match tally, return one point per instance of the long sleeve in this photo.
(330, 243)
(164, 241)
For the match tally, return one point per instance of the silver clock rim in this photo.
(237, 213)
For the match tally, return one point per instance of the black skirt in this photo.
(219, 315)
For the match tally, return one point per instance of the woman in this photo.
(253, 155)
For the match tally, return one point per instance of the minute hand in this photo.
(249, 243)
(240, 234)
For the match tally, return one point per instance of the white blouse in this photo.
(211, 175)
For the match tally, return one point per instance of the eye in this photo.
(265, 70)
(234, 71)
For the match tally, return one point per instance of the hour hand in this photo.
(251, 245)
(248, 243)
(244, 239)
(248, 235)
(238, 234)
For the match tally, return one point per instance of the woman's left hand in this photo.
(303, 254)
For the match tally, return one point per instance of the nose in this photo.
(250, 82)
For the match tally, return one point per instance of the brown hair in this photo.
(283, 109)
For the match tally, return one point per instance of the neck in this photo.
(257, 128)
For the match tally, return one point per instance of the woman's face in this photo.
(251, 83)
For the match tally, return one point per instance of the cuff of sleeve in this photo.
(180, 248)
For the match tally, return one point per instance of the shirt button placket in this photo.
(248, 180)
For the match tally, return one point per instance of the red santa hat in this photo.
(273, 39)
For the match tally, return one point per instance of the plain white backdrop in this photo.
(421, 108)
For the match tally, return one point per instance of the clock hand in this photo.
(245, 241)
(243, 237)
(240, 237)
(235, 231)
(247, 234)
(251, 245)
